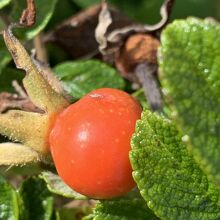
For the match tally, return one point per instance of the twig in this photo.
(13, 101)
(41, 53)
(145, 74)
(19, 89)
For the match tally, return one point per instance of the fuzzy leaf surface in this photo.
(190, 67)
(167, 176)
(125, 208)
(81, 77)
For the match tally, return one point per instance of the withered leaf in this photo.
(112, 40)
(77, 34)
(28, 16)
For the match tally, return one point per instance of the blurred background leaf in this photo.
(147, 11)
(81, 77)
(6, 78)
(5, 57)
(3, 3)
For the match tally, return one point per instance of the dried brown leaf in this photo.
(113, 40)
(77, 34)
(28, 16)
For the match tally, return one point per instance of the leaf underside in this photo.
(57, 186)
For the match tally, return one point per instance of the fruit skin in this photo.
(90, 142)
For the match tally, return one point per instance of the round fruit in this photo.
(90, 142)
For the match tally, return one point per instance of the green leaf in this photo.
(147, 11)
(3, 3)
(9, 204)
(57, 186)
(38, 201)
(126, 208)
(167, 176)
(44, 13)
(81, 77)
(5, 57)
(190, 66)
(6, 78)
(63, 10)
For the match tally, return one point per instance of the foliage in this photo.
(175, 154)
(197, 114)
(167, 176)
(81, 77)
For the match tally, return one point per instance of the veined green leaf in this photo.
(190, 67)
(44, 13)
(81, 77)
(125, 208)
(167, 176)
(9, 203)
(57, 186)
(38, 201)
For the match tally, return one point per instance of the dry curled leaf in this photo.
(77, 34)
(111, 41)
(28, 16)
